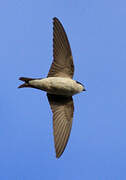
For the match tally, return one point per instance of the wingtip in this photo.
(55, 19)
(57, 156)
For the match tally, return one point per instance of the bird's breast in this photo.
(57, 85)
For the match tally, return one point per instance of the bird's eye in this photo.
(79, 83)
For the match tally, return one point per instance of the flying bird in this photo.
(60, 87)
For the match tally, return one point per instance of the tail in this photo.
(26, 80)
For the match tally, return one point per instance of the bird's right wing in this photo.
(62, 65)
(62, 108)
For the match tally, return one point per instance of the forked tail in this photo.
(26, 80)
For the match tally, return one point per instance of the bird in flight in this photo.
(60, 87)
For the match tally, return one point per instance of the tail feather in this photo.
(26, 80)
(24, 85)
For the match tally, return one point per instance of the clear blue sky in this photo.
(97, 146)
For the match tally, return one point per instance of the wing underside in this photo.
(62, 108)
(62, 65)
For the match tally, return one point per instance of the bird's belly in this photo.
(58, 85)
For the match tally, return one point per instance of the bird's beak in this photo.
(84, 89)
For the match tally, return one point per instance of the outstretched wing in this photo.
(62, 108)
(62, 65)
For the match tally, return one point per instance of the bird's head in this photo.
(81, 85)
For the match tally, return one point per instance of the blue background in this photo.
(97, 145)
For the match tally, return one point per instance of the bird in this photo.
(59, 86)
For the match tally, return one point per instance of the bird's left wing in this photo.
(62, 108)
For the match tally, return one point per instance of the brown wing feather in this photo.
(62, 65)
(62, 108)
